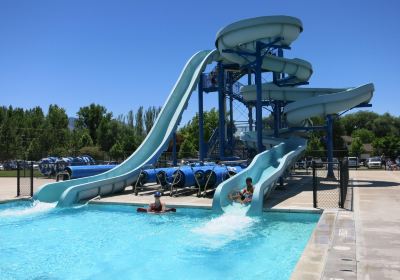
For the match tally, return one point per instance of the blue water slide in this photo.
(69, 192)
(265, 170)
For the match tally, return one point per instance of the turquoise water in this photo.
(104, 242)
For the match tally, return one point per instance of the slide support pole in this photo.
(250, 117)
(277, 117)
(221, 110)
(329, 128)
(201, 121)
(231, 116)
(260, 147)
(174, 156)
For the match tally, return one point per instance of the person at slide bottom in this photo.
(245, 195)
(157, 206)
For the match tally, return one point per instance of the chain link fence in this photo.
(24, 179)
(330, 189)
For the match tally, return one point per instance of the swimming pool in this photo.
(103, 242)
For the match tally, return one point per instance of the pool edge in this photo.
(8, 200)
(311, 264)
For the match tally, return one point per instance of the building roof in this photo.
(368, 148)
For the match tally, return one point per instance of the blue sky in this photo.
(123, 54)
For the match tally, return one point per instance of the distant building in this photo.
(368, 149)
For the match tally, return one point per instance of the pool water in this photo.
(103, 242)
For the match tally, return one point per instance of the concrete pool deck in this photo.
(359, 244)
(8, 187)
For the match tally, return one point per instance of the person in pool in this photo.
(245, 195)
(157, 206)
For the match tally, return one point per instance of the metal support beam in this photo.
(231, 120)
(221, 110)
(260, 147)
(277, 118)
(277, 104)
(250, 118)
(201, 121)
(329, 124)
(250, 115)
(280, 54)
(174, 155)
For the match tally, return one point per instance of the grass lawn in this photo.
(13, 173)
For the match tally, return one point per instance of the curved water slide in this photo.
(69, 192)
(267, 167)
(242, 36)
(311, 102)
(265, 170)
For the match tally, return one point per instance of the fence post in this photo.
(31, 178)
(341, 194)
(18, 180)
(315, 204)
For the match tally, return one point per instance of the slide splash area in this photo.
(267, 167)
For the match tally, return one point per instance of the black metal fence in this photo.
(24, 179)
(330, 190)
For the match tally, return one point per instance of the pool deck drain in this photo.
(359, 244)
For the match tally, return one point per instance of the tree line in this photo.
(382, 131)
(30, 134)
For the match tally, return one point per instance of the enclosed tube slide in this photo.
(87, 170)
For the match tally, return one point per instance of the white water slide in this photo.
(270, 165)
(69, 192)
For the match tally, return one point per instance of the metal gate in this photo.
(24, 178)
(330, 191)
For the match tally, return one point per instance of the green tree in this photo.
(75, 143)
(385, 125)
(191, 130)
(55, 136)
(361, 119)
(130, 119)
(314, 147)
(108, 133)
(356, 147)
(128, 141)
(85, 140)
(8, 134)
(93, 151)
(388, 145)
(140, 133)
(150, 117)
(34, 150)
(90, 117)
(187, 149)
(365, 135)
(117, 151)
